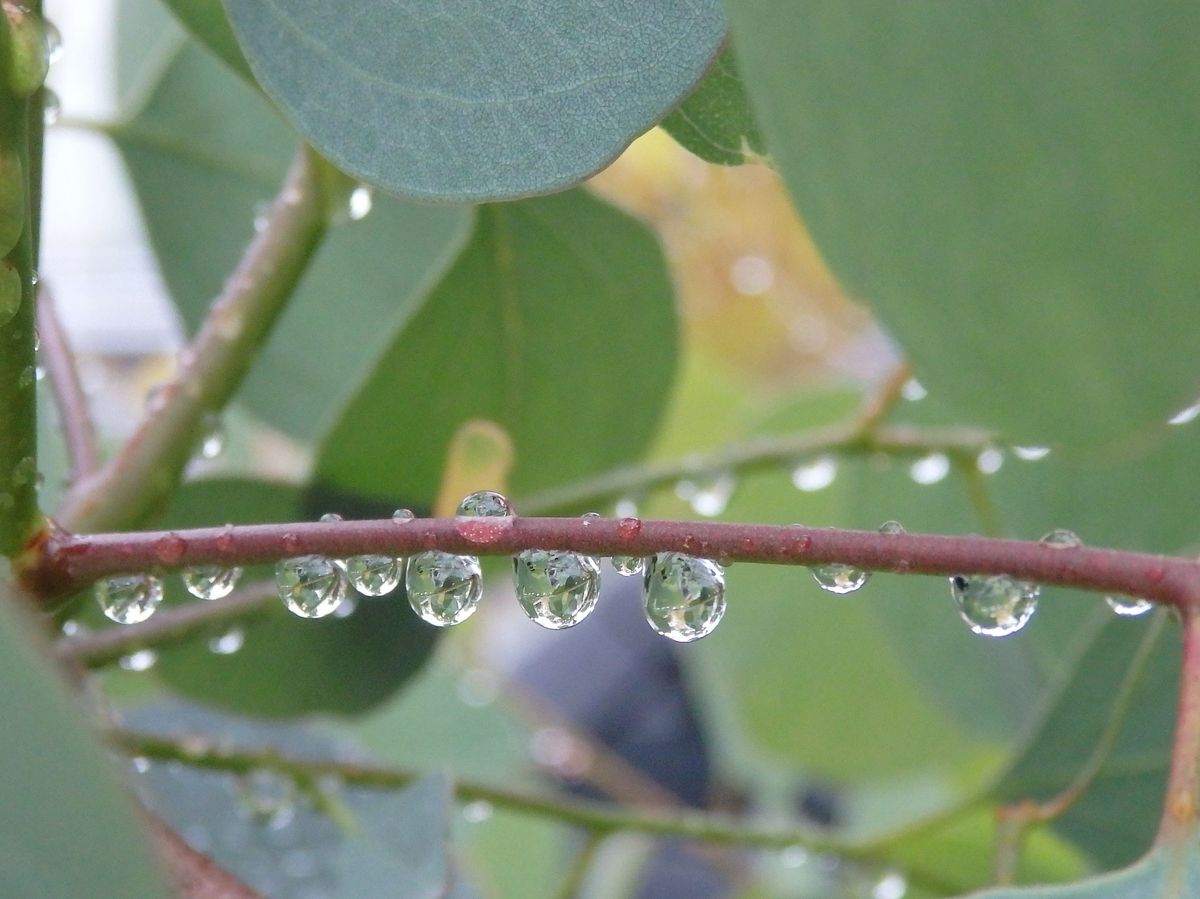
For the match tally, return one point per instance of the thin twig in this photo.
(193, 874)
(95, 650)
(144, 470)
(69, 397)
(63, 563)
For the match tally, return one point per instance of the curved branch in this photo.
(64, 563)
(150, 462)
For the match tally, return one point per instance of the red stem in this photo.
(1183, 785)
(64, 563)
(69, 396)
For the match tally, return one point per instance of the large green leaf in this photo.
(1010, 184)
(716, 122)
(65, 827)
(1169, 872)
(288, 665)
(472, 101)
(556, 321)
(207, 21)
(205, 153)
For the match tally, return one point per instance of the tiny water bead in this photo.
(212, 441)
(994, 605)
(930, 469)
(629, 565)
(140, 660)
(361, 201)
(1061, 539)
(227, 643)
(1031, 453)
(403, 516)
(1129, 606)
(374, 575)
(51, 107)
(311, 586)
(683, 596)
(892, 527)
(838, 578)
(210, 581)
(815, 475)
(485, 504)
(556, 589)
(709, 496)
(444, 589)
(129, 598)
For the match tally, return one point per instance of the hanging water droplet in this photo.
(129, 598)
(1129, 606)
(362, 200)
(556, 589)
(51, 107)
(994, 605)
(683, 597)
(227, 643)
(270, 797)
(930, 469)
(477, 812)
(373, 575)
(838, 578)
(210, 581)
(403, 516)
(1061, 539)
(989, 460)
(142, 660)
(311, 586)
(892, 527)
(1031, 453)
(1185, 415)
(52, 42)
(484, 504)
(913, 390)
(815, 475)
(212, 443)
(629, 565)
(443, 588)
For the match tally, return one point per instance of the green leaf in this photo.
(556, 322)
(473, 102)
(288, 665)
(207, 21)
(66, 828)
(205, 153)
(1169, 872)
(1010, 185)
(716, 122)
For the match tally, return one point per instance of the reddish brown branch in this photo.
(193, 874)
(65, 563)
(69, 396)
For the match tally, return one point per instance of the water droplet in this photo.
(52, 41)
(129, 598)
(484, 504)
(140, 764)
(330, 517)
(373, 575)
(629, 528)
(793, 857)
(349, 605)
(1061, 539)
(443, 588)
(684, 597)
(815, 475)
(210, 581)
(989, 460)
(142, 660)
(625, 507)
(228, 643)
(892, 527)
(891, 885)
(556, 589)
(1184, 416)
(930, 469)
(51, 107)
(1129, 606)
(913, 390)
(362, 199)
(403, 516)
(994, 605)
(270, 797)
(72, 628)
(169, 548)
(311, 586)
(707, 497)
(212, 444)
(477, 812)
(1031, 453)
(39, 373)
(629, 565)
(589, 518)
(838, 578)
(262, 216)
(225, 538)
(37, 342)
(26, 378)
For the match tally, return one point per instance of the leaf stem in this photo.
(139, 477)
(64, 563)
(580, 865)
(69, 396)
(1183, 782)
